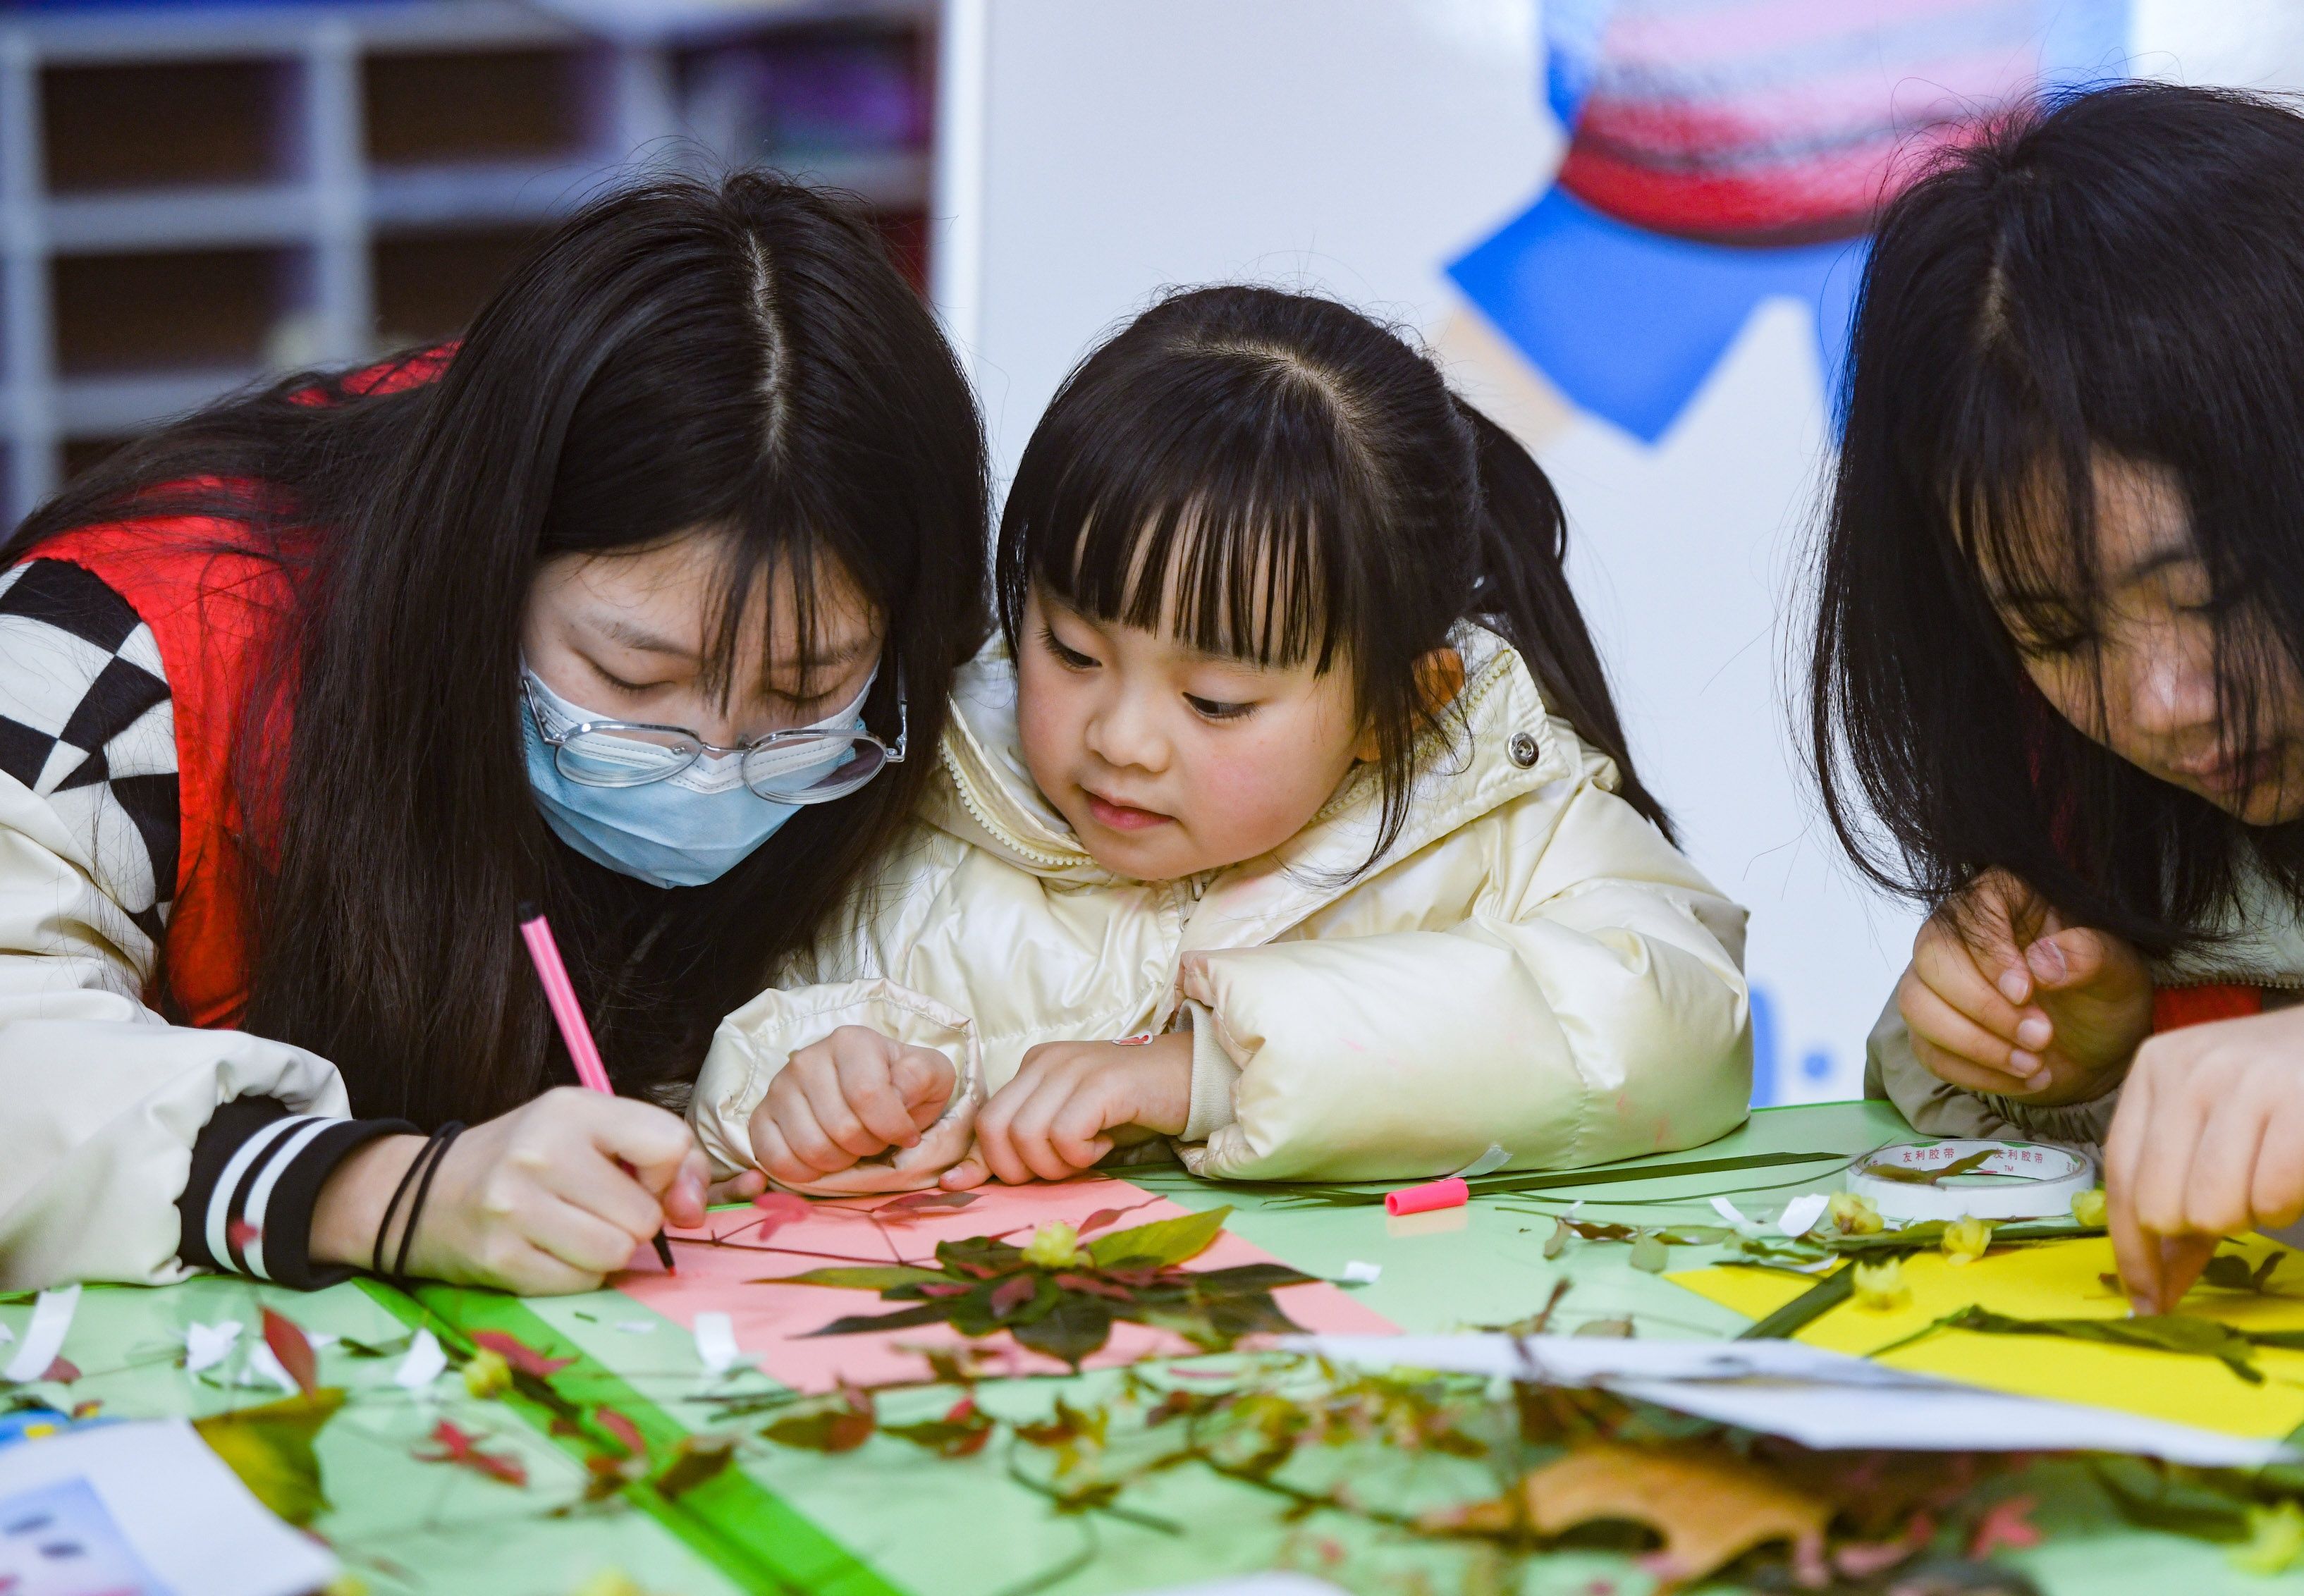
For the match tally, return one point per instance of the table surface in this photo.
(889, 1517)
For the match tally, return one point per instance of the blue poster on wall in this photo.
(1725, 152)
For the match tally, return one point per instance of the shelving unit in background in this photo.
(192, 197)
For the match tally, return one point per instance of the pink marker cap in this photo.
(1451, 1193)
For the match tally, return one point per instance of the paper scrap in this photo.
(1736, 1216)
(637, 1327)
(1827, 1400)
(6, 1335)
(426, 1362)
(1800, 1214)
(44, 1337)
(264, 1365)
(149, 1496)
(716, 1343)
(208, 1344)
(1496, 1158)
(321, 1340)
(1363, 1274)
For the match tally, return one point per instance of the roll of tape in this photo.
(2045, 1181)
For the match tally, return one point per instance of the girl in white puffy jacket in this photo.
(1288, 818)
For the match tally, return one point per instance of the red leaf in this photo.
(63, 1372)
(524, 1359)
(289, 1344)
(239, 1232)
(88, 1409)
(1094, 1288)
(1013, 1293)
(2007, 1524)
(458, 1447)
(933, 1288)
(915, 1203)
(777, 1210)
(627, 1433)
(1099, 1219)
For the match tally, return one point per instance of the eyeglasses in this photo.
(805, 767)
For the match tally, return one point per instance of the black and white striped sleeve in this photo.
(88, 725)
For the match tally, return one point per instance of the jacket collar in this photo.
(1495, 744)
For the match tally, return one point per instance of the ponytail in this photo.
(1523, 592)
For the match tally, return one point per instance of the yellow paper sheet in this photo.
(2057, 1280)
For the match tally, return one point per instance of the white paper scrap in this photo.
(320, 1339)
(637, 1327)
(426, 1362)
(152, 1507)
(44, 1337)
(716, 1343)
(1363, 1274)
(1824, 1400)
(1800, 1214)
(264, 1366)
(1496, 1158)
(208, 1344)
(1734, 1215)
(6, 1335)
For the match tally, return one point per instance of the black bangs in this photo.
(2102, 295)
(1214, 500)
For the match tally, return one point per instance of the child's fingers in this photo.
(741, 1186)
(833, 1118)
(967, 1174)
(869, 1089)
(1011, 1131)
(1031, 1131)
(804, 1149)
(924, 1079)
(1076, 1132)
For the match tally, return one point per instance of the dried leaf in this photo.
(270, 1448)
(1649, 1253)
(962, 1432)
(840, 1425)
(868, 1277)
(62, 1370)
(697, 1459)
(626, 1433)
(2008, 1524)
(290, 1345)
(1100, 1218)
(1709, 1505)
(1074, 1326)
(1619, 1328)
(2158, 1332)
(1904, 1175)
(1161, 1243)
(776, 1209)
(524, 1359)
(1013, 1293)
(1556, 1243)
(2230, 1273)
(914, 1205)
(453, 1445)
(857, 1324)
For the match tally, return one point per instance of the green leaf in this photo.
(1313, 1194)
(353, 1347)
(976, 1257)
(1649, 1253)
(2171, 1509)
(1232, 1317)
(856, 1324)
(270, 1448)
(870, 1277)
(1160, 1242)
(2180, 1333)
(1810, 1305)
(1242, 1279)
(1074, 1326)
(1905, 1175)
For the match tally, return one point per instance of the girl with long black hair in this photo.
(1288, 818)
(641, 603)
(2058, 683)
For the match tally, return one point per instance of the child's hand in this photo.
(1074, 1101)
(854, 1094)
(2208, 1142)
(2002, 996)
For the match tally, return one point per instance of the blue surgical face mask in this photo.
(681, 831)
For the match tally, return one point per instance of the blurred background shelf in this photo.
(196, 197)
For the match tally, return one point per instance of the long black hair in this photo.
(1320, 494)
(740, 358)
(2117, 274)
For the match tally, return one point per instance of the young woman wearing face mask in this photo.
(2062, 651)
(640, 603)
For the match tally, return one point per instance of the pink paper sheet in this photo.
(770, 1319)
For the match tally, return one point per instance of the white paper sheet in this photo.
(1824, 1400)
(44, 1337)
(426, 1362)
(716, 1343)
(208, 1344)
(149, 1498)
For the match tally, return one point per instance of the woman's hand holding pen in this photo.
(547, 1199)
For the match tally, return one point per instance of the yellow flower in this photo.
(2275, 1539)
(1055, 1246)
(486, 1374)
(2088, 1206)
(345, 1583)
(610, 1582)
(1966, 1239)
(1880, 1287)
(1853, 1215)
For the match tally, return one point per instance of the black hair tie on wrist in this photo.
(418, 1176)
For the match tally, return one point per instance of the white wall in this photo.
(1094, 150)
